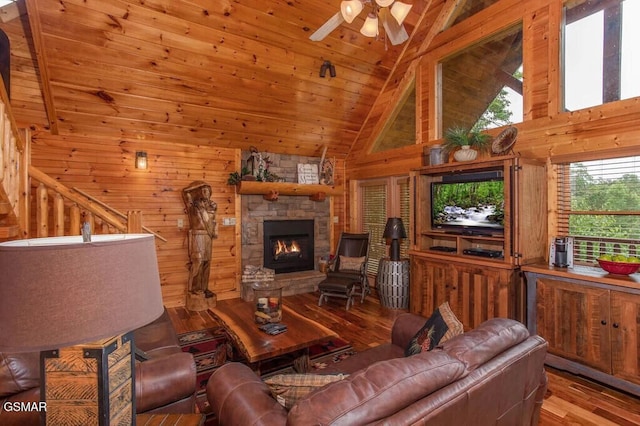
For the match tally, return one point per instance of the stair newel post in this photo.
(42, 211)
(88, 218)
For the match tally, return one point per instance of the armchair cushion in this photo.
(351, 263)
(164, 380)
(441, 326)
(19, 372)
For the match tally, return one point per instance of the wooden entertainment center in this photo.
(478, 272)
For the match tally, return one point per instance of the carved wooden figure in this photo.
(202, 231)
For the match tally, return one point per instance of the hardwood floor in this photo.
(570, 400)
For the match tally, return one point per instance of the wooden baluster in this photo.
(74, 220)
(58, 215)
(2, 140)
(105, 228)
(42, 211)
(134, 222)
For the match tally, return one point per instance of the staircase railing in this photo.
(69, 208)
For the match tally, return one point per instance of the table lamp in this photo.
(77, 303)
(394, 230)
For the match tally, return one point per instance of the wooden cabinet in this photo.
(575, 319)
(523, 239)
(625, 336)
(591, 321)
(474, 292)
(442, 266)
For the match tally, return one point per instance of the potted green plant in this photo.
(465, 143)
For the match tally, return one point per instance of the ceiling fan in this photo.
(391, 18)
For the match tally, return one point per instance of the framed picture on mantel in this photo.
(308, 174)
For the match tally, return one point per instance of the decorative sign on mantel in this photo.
(308, 173)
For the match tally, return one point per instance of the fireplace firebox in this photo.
(288, 245)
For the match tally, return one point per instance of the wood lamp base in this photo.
(90, 384)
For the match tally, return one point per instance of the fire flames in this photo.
(282, 248)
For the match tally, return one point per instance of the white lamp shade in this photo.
(400, 11)
(350, 9)
(384, 3)
(370, 27)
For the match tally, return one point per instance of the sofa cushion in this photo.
(287, 389)
(441, 326)
(377, 391)
(483, 343)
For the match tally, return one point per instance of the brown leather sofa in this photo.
(165, 381)
(493, 375)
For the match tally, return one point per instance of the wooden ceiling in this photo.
(223, 73)
(229, 73)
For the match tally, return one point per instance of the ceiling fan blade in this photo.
(327, 27)
(395, 32)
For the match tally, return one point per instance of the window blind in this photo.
(405, 200)
(599, 206)
(374, 215)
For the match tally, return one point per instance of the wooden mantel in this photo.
(271, 190)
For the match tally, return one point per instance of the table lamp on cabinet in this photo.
(77, 303)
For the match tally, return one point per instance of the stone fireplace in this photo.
(256, 212)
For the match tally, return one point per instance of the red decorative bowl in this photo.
(620, 268)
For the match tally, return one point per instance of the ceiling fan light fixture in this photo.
(400, 11)
(370, 27)
(384, 3)
(350, 9)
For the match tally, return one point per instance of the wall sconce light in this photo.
(326, 65)
(141, 160)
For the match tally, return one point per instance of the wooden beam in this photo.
(41, 57)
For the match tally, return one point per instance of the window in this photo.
(599, 206)
(601, 53)
(383, 198)
(481, 86)
(400, 129)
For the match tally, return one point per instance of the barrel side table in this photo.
(392, 283)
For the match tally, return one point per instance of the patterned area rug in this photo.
(211, 348)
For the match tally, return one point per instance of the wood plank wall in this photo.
(105, 170)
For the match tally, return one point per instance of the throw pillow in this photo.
(441, 326)
(351, 263)
(287, 389)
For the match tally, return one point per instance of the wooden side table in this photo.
(170, 419)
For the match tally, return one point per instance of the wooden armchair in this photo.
(347, 270)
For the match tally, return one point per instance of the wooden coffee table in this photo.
(237, 317)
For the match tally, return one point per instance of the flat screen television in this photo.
(470, 203)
